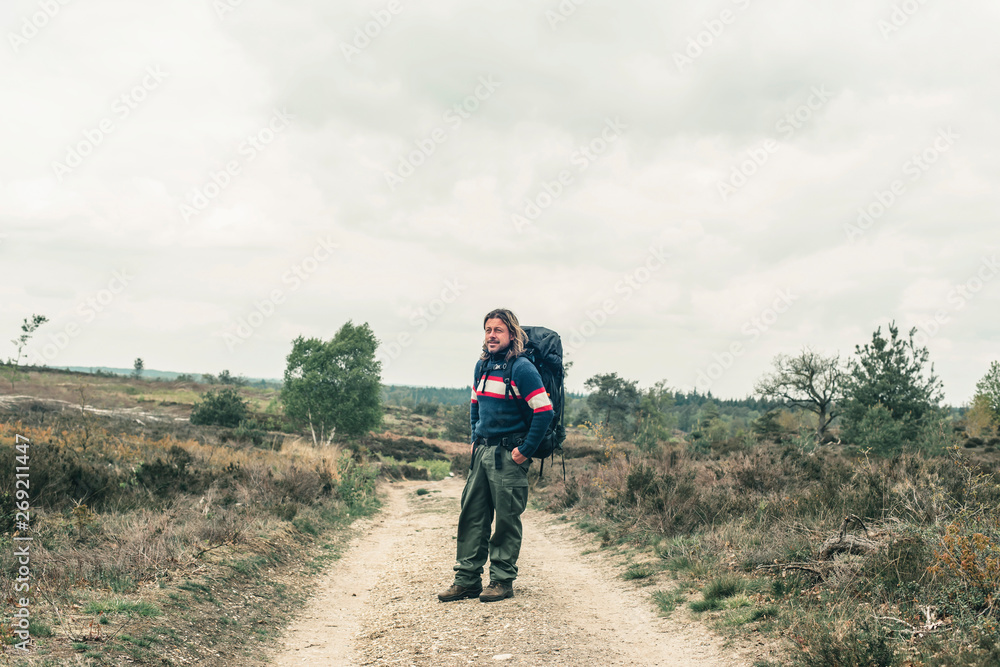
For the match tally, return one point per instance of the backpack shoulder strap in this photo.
(522, 405)
(480, 369)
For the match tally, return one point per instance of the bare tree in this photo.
(28, 329)
(807, 380)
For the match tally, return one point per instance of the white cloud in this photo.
(657, 184)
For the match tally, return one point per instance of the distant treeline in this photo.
(412, 396)
(685, 409)
(687, 406)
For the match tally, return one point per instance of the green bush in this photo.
(357, 481)
(767, 427)
(457, 424)
(879, 431)
(435, 469)
(393, 469)
(170, 474)
(222, 408)
(935, 434)
(250, 430)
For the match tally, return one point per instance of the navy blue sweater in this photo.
(494, 415)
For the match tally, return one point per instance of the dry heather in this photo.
(162, 547)
(850, 559)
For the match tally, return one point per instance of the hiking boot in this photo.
(497, 590)
(456, 592)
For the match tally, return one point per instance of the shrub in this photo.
(393, 469)
(60, 475)
(169, 474)
(935, 436)
(302, 485)
(879, 431)
(435, 469)
(460, 463)
(222, 408)
(457, 424)
(903, 561)
(357, 481)
(968, 556)
(404, 449)
(426, 409)
(250, 430)
(862, 643)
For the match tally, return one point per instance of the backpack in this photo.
(544, 349)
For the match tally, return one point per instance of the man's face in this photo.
(497, 335)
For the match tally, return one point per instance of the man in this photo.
(502, 445)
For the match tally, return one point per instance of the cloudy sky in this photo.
(682, 190)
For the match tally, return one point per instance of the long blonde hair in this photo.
(517, 336)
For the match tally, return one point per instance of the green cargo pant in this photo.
(495, 484)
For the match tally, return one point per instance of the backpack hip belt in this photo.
(509, 441)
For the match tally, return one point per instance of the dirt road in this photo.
(378, 605)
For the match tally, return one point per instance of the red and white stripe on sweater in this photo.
(492, 386)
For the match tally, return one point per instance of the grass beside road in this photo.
(748, 539)
(160, 543)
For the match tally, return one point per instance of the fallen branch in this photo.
(198, 555)
(930, 625)
(802, 567)
(849, 519)
(844, 543)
